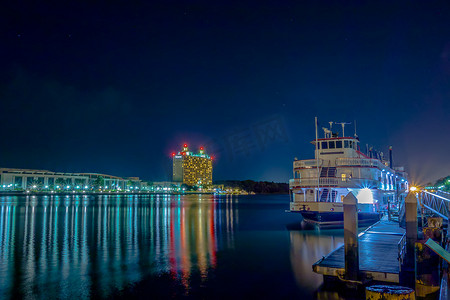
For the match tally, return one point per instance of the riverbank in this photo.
(49, 193)
(59, 193)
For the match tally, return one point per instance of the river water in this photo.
(159, 246)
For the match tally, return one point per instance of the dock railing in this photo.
(401, 250)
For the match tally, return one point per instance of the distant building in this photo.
(193, 169)
(25, 179)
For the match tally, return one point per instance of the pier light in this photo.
(68, 187)
(131, 187)
(106, 186)
(57, 186)
(46, 186)
(413, 189)
(33, 186)
(4, 186)
(78, 186)
(85, 187)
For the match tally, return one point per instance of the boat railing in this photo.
(307, 163)
(333, 181)
(323, 181)
(364, 162)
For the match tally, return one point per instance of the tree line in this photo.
(257, 187)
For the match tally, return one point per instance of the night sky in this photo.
(117, 87)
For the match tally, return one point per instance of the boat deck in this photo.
(378, 254)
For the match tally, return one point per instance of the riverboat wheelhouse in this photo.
(339, 167)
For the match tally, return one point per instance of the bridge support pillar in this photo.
(351, 237)
(407, 276)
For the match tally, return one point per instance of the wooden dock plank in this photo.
(378, 251)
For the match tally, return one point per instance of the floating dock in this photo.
(379, 253)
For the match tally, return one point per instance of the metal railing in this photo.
(401, 250)
(333, 182)
(436, 204)
(307, 163)
(304, 182)
(365, 162)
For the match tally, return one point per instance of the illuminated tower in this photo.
(193, 169)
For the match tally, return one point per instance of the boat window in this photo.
(338, 144)
(331, 144)
(324, 145)
(318, 145)
(346, 144)
(351, 144)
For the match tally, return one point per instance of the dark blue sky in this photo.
(116, 87)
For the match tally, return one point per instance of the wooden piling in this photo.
(351, 237)
(407, 275)
(411, 225)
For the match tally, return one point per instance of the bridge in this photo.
(437, 204)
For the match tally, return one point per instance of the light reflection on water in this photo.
(308, 247)
(198, 246)
(73, 246)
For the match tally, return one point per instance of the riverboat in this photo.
(340, 167)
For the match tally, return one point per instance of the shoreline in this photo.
(90, 193)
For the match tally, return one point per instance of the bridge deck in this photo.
(378, 254)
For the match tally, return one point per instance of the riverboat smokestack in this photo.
(390, 157)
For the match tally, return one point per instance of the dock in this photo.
(418, 260)
(378, 254)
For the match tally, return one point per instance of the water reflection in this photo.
(308, 247)
(84, 246)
